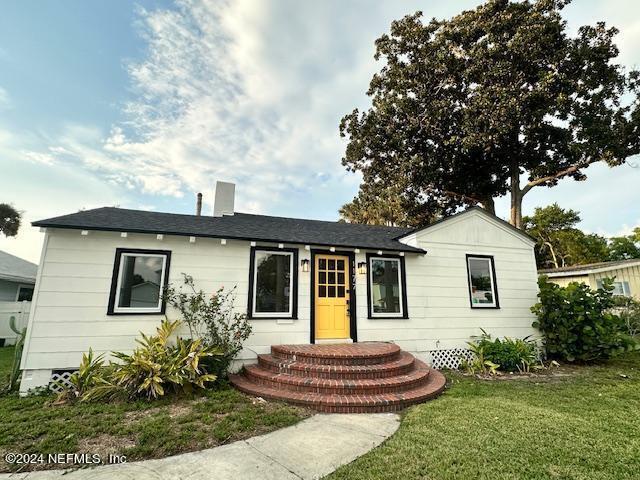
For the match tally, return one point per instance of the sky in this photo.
(141, 105)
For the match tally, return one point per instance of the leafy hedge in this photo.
(577, 322)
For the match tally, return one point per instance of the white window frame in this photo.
(25, 286)
(156, 309)
(254, 303)
(492, 276)
(400, 291)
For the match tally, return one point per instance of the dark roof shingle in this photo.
(238, 226)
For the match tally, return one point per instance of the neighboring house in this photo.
(300, 281)
(625, 272)
(17, 280)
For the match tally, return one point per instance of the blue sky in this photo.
(143, 105)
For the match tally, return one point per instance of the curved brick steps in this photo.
(389, 402)
(402, 365)
(346, 378)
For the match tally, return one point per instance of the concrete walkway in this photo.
(310, 449)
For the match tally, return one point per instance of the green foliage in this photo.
(155, 368)
(9, 220)
(577, 322)
(90, 373)
(212, 318)
(14, 374)
(628, 309)
(559, 242)
(506, 355)
(462, 107)
(624, 248)
(384, 207)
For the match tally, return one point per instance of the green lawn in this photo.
(584, 424)
(137, 430)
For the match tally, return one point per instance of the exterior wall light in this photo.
(362, 268)
(305, 264)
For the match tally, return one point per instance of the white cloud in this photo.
(4, 98)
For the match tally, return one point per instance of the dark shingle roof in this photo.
(590, 267)
(238, 226)
(16, 269)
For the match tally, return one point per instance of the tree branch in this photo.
(555, 176)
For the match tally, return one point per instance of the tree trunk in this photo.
(516, 197)
(489, 205)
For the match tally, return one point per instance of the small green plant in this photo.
(212, 318)
(14, 374)
(578, 323)
(478, 363)
(511, 354)
(90, 373)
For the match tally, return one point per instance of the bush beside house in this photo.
(579, 323)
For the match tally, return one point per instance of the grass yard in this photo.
(582, 423)
(138, 430)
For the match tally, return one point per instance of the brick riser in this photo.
(367, 386)
(401, 366)
(353, 378)
(331, 354)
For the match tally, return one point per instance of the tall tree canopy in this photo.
(561, 243)
(464, 108)
(9, 220)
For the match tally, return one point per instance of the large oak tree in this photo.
(495, 101)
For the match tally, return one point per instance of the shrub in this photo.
(154, 369)
(211, 317)
(577, 322)
(507, 355)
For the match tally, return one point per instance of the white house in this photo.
(301, 281)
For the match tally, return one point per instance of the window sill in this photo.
(497, 307)
(404, 317)
(249, 317)
(135, 313)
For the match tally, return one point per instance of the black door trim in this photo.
(353, 333)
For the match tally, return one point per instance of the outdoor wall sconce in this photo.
(305, 264)
(362, 268)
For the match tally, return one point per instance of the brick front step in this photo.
(367, 353)
(352, 378)
(389, 402)
(375, 386)
(401, 366)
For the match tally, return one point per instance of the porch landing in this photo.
(341, 378)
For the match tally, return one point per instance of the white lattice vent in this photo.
(449, 358)
(60, 380)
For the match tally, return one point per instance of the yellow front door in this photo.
(332, 296)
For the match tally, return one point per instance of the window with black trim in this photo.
(482, 281)
(25, 293)
(139, 280)
(386, 287)
(273, 283)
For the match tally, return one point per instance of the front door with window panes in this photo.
(332, 296)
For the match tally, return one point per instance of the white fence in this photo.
(19, 310)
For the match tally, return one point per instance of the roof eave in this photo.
(408, 249)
